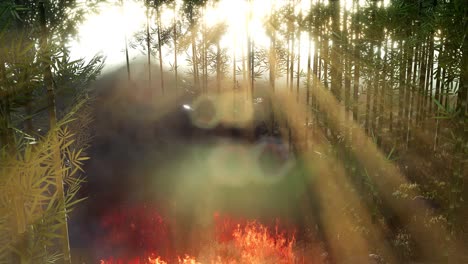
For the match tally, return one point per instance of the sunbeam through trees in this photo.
(222, 131)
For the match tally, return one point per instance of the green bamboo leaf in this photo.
(71, 204)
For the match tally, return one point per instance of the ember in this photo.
(234, 241)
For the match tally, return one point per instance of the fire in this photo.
(257, 245)
(234, 241)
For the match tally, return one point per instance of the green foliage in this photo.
(31, 215)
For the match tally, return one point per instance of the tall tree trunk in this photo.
(298, 64)
(291, 70)
(356, 63)
(272, 77)
(287, 59)
(446, 91)
(315, 68)
(367, 126)
(218, 67)
(249, 68)
(438, 95)
(412, 114)
(148, 44)
(49, 83)
(401, 85)
(252, 80)
(234, 68)
(410, 94)
(309, 72)
(347, 65)
(376, 95)
(204, 54)
(369, 94)
(196, 79)
(422, 86)
(391, 85)
(407, 85)
(245, 75)
(272, 60)
(251, 43)
(325, 57)
(336, 67)
(383, 92)
(127, 59)
(462, 95)
(175, 48)
(315, 74)
(430, 78)
(160, 50)
(6, 133)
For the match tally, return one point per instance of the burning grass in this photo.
(141, 237)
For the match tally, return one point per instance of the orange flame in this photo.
(238, 241)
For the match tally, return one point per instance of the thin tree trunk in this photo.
(422, 87)
(127, 60)
(6, 134)
(347, 65)
(448, 88)
(249, 67)
(272, 60)
(383, 91)
(374, 83)
(234, 65)
(291, 71)
(244, 72)
(438, 97)
(194, 52)
(309, 70)
(53, 121)
(462, 95)
(252, 84)
(218, 67)
(160, 51)
(430, 77)
(325, 57)
(356, 67)
(336, 67)
(272, 77)
(205, 55)
(298, 64)
(367, 126)
(316, 79)
(148, 45)
(408, 93)
(251, 55)
(391, 87)
(410, 86)
(439, 82)
(287, 62)
(413, 87)
(175, 48)
(376, 86)
(401, 84)
(369, 94)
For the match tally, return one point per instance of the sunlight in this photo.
(103, 32)
(236, 16)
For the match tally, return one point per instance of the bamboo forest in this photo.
(233, 131)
